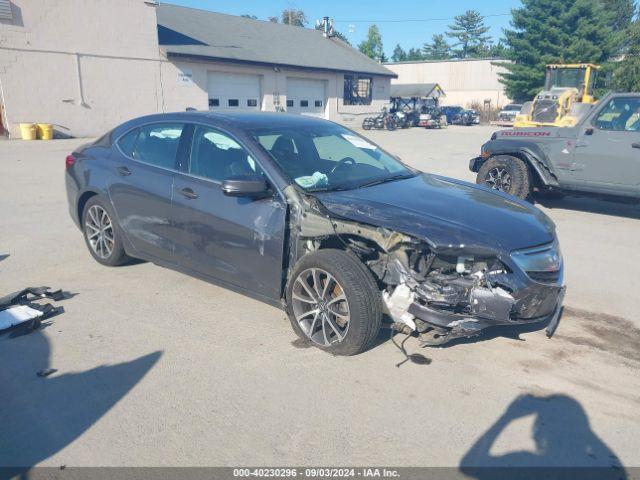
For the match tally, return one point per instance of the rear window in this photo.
(127, 142)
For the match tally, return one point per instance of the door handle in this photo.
(123, 171)
(188, 193)
(635, 145)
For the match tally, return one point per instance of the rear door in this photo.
(145, 167)
(608, 148)
(237, 240)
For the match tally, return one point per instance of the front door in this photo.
(144, 163)
(607, 151)
(237, 240)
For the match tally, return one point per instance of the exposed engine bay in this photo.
(439, 292)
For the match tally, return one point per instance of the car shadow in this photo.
(612, 207)
(39, 414)
(565, 445)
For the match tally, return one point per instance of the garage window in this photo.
(252, 102)
(304, 103)
(289, 103)
(214, 102)
(357, 90)
(234, 102)
(318, 103)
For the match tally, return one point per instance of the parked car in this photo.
(507, 115)
(431, 117)
(600, 155)
(311, 217)
(457, 115)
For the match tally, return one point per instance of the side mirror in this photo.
(589, 131)
(252, 186)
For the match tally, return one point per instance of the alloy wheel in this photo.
(498, 178)
(99, 231)
(320, 307)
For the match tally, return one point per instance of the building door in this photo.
(234, 91)
(306, 97)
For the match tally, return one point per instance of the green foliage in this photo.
(399, 55)
(469, 31)
(626, 75)
(336, 34)
(252, 17)
(556, 31)
(372, 46)
(438, 49)
(291, 16)
(414, 54)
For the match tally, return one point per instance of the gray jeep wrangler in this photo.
(600, 155)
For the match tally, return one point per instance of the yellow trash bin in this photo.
(45, 131)
(28, 131)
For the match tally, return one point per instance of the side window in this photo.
(620, 114)
(128, 141)
(216, 156)
(157, 144)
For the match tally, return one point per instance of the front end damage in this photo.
(440, 292)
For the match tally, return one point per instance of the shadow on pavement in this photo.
(592, 205)
(565, 445)
(41, 416)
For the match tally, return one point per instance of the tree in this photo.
(469, 31)
(399, 55)
(553, 31)
(372, 46)
(438, 49)
(497, 50)
(252, 17)
(626, 75)
(273, 19)
(415, 54)
(291, 16)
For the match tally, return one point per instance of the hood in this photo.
(448, 214)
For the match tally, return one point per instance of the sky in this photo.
(397, 19)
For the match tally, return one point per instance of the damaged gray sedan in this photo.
(309, 216)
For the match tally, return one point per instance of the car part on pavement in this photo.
(21, 308)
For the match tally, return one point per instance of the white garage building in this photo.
(235, 63)
(125, 58)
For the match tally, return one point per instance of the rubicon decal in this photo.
(516, 133)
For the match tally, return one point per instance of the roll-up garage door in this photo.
(306, 96)
(233, 91)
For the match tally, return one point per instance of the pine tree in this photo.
(294, 17)
(438, 49)
(553, 31)
(469, 30)
(415, 54)
(399, 55)
(372, 46)
(626, 76)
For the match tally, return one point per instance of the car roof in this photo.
(241, 120)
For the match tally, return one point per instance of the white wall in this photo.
(115, 45)
(179, 95)
(88, 65)
(463, 81)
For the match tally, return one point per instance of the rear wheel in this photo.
(507, 174)
(101, 234)
(333, 302)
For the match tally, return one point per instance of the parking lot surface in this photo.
(155, 368)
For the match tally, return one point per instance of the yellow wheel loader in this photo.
(566, 87)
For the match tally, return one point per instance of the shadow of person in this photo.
(41, 416)
(565, 445)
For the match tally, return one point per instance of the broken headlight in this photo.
(542, 264)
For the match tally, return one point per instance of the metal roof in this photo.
(227, 37)
(416, 90)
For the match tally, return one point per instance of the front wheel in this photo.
(506, 174)
(333, 302)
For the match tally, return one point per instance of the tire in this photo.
(519, 178)
(101, 253)
(361, 296)
(367, 124)
(390, 124)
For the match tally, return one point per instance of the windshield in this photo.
(565, 78)
(513, 108)
(328, 157)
